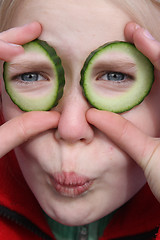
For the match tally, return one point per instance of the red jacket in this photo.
(21, 216)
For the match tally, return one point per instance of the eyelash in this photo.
(100, 77)
(19, 77)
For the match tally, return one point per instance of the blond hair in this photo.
(7, 9)
(144, 12)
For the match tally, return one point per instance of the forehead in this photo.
(75, 18)
(75, 27)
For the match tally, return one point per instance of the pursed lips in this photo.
(70, 184)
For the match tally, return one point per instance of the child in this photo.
(77, 172)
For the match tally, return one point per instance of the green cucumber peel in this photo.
(47, 101)
(132, 97)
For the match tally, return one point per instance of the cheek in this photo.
(9, 109)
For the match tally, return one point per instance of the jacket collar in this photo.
(16, 195)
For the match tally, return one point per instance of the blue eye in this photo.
(114, 76)
(31, 77)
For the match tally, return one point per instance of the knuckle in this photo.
(153, 157)
(124, 132)
(23, 129)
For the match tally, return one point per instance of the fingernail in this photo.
(148, 35)
(14, 45)
(136, 26)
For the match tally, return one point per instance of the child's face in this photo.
(108, 176)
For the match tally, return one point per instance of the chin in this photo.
(71, 213)
(73, 220)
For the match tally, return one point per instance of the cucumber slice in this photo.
(114, 94)
(36, 96)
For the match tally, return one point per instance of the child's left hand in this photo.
(123, 132)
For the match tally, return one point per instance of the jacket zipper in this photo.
(83, 233)
(23, 222)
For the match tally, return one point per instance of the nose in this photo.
(73, 125)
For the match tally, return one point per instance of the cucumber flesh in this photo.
(46, 95)
(116, 96)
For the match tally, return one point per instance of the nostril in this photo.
(72, 139)
(57, 135)
(86, 140)
(82, 140)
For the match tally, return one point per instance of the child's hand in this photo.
(125, 135)
(12, 39)
(24, 127)
(121, 131)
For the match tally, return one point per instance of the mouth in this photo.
(70, 184)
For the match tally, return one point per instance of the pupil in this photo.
(115, 76)
(29, 77)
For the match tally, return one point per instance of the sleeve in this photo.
(158, 235)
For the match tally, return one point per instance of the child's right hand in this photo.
(27, 125)
(12, 39)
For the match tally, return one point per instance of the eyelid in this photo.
(126, 69)
(19, 71)
(30, 66)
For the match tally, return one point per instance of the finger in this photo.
(144, 42)
(23, 34)
(11, 39)
(140, 147)
(24, 127)
(129, 30)
(124, 134)
(8, 51)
